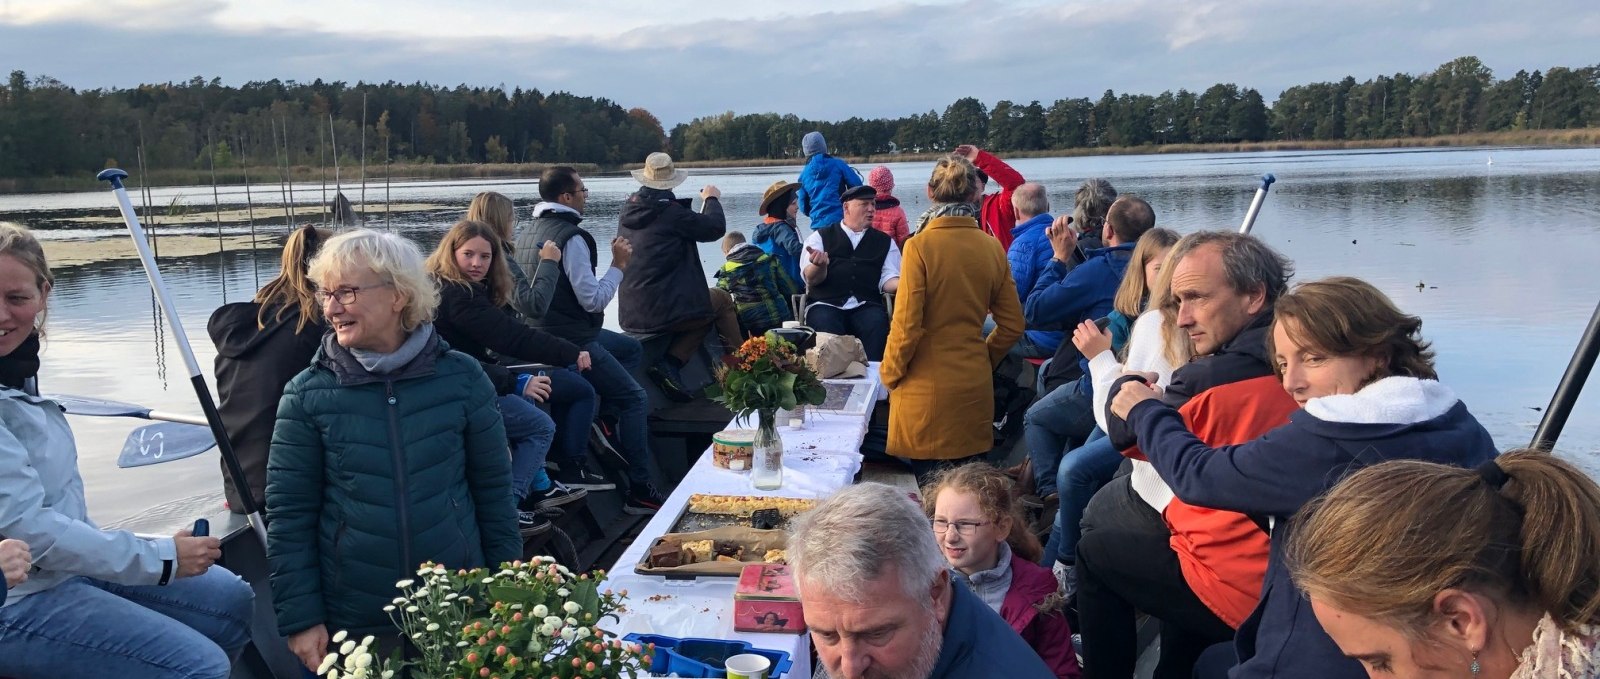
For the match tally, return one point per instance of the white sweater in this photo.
(1146, 353)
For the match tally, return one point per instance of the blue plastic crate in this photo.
(703, 657)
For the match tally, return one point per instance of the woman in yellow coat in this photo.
(938, 366)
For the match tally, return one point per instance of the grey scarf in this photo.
(945, 210)
(379, 363)
(991, 585)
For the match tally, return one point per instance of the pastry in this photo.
(698, 551)
(744, 505)
(775, 556)
(665, 554)
(730, 549)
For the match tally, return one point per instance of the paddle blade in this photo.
(96, 407)
(164, 442)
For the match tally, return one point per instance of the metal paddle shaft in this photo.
(1255, 205)
(96, 407)
(1566, 396)
(230, 459)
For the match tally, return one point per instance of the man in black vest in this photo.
(577, 310)
(848, 267)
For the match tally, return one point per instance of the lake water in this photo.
(1506, 255)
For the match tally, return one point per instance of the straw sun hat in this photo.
(659, 173)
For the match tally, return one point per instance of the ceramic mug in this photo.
(748, 666)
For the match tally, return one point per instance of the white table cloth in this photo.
(818, 460)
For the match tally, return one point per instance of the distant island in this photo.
(54, 137)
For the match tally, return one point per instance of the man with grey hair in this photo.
(880, 602)
(1030, 255)
(1198, 570)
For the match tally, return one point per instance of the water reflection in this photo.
(1504, 255)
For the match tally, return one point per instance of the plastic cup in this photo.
(748, 666)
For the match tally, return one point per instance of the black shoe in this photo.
(554, 496)
(579, 476)
(643, 500)
(532, 525)
(667, 376)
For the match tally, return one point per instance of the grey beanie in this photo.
(813, 143)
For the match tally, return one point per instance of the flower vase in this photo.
(766, 469)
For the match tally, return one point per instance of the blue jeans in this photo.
(627, 350)
(573, 406)
(621, 395)
(530, 432)
(1054, 425)
(194, 628)
(1082, 472)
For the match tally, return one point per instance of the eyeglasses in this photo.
(963, 528)
(345, 296)
(584, 191)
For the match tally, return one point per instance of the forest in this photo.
(50, 129)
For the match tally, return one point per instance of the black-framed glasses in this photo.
(346, 295)
(584, 191)
(963, 528)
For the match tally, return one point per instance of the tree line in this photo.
(1459, 97)
(48, 129)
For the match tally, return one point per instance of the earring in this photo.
(1476, 668)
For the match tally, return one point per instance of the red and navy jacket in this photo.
(1226, 398)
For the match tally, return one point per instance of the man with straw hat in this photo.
(665, 290)
(777, 234)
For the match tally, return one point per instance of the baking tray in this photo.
(688, 522)
(757, 541)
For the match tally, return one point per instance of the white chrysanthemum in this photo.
(438, 570)
(540, 611)
(572, 622)
(364, 661)
(368, 641)
(461, 644)
(412, 609)
(340, 636)
(488, 581)
(333, 674)
(387, 674)
(548, 629)
(451, 596)
(399, 600)
(346, 647)
(583, 633)
(405, 583)
(516, 607)
(389, 608)
(567, 634)
(553, 621)
(433, 627)
(564, 592)
(327, 662)
(421, 592)
(571, 607)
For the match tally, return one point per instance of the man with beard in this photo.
(880, 602)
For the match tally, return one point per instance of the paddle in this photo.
(164, 442)
(94, 407)
(1255, 205)
(1566, 396)
(202, 392)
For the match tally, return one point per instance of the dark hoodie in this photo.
(665, 284)
(469, 320)
(253, 366)
(1273, 476)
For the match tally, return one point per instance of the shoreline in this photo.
(267, 176)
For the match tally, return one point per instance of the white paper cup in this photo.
(748, 666)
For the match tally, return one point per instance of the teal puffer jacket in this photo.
(371, 475)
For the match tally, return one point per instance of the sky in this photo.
(820, 59)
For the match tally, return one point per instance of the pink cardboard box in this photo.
(766, 601)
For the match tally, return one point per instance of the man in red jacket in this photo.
(1198, 570)
(996, 215)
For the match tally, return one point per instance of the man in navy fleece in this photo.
(1063, 298)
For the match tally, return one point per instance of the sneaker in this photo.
(670, 379)
(532, 525)
(643, 500)
(578, 476)
(555, 496)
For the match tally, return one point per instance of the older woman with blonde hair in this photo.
(938, 365)
(1368, 392)
(388, 451)
(1420, 570)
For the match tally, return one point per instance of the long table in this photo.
(818, 460)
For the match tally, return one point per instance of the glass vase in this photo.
(766, 469)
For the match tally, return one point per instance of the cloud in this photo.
(835, 60)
